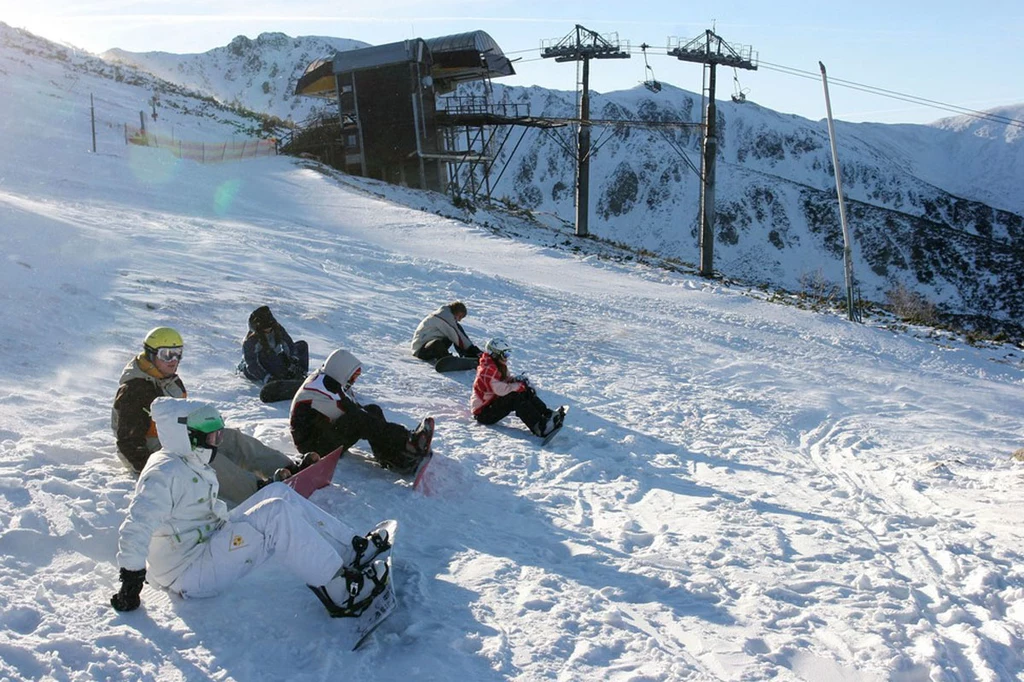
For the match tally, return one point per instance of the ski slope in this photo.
(742, 490)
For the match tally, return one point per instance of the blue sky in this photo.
(933, 50)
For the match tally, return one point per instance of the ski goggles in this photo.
(215, 438)
(168, 354)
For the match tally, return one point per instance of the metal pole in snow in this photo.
(583, 157)
(847, 257)
(92, 115)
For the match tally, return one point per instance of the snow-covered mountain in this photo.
(255, 74)
(930, 206)
(934, 208)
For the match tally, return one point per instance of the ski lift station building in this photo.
(387, 98)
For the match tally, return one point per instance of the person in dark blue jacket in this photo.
(269, 353)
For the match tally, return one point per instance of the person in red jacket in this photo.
(496, 393)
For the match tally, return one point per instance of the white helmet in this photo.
(498, 347)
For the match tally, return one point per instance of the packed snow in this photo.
(743, 490)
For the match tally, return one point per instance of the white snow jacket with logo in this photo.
(175, 508)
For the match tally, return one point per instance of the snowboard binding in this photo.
(362, 587)
(378, 538)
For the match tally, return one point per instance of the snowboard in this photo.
(278, 390)
(564, 409)
(355, 629)
(419, 480)
(315, 476)
(380, 608)
(454, 363)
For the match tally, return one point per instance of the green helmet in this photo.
(162, 337)
(204, 425)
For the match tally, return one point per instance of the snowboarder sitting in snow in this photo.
(244, 464)
(269, 352)
(325, 416)
(496, 393)
(439, 331)
(179, 536)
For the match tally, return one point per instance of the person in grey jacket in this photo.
(179, 536)
(439, 331)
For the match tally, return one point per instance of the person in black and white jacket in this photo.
(325, 415)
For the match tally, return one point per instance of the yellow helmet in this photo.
(162, 337)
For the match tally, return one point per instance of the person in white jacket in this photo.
(179, 535)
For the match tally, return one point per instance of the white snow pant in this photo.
(313, 544)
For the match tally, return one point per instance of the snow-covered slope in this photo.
(744, 491)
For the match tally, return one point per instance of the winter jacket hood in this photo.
(169, 415)
(261, 319)
(340, 366)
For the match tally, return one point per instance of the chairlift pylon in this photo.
(651, 84)
(739, 94)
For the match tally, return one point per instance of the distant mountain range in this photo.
(937, 208)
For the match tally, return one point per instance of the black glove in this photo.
(127, 599)
(471, 352)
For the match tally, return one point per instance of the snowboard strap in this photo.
(362, 543)
(352, 608)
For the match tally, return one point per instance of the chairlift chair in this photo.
(740, 94)
(652, 83)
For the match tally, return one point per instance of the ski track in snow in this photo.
(741, 491)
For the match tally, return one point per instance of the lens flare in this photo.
(224, 197)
